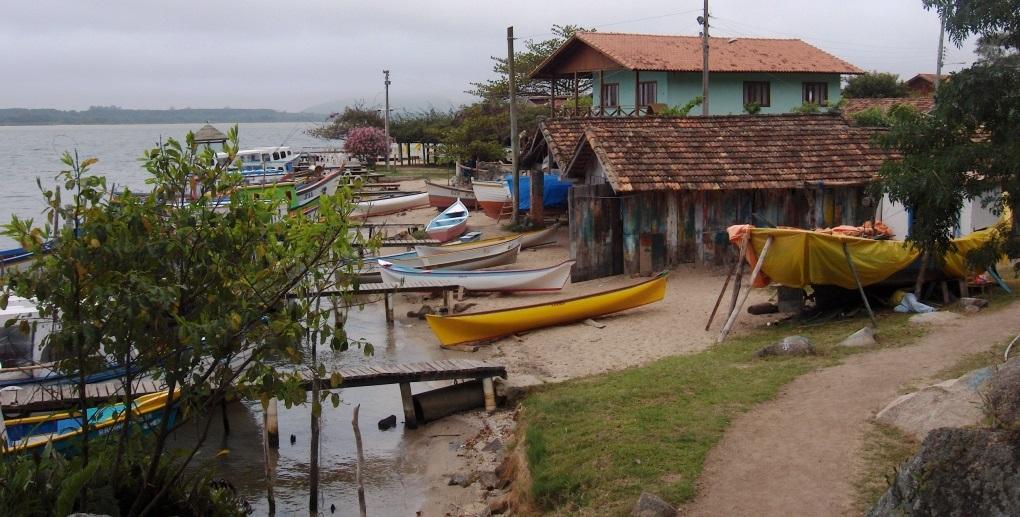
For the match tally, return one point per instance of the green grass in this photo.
(410, 171)
(885, 449)
(594, 444)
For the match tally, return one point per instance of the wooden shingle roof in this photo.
(727, 152)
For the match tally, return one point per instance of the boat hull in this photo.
(449, 224)
(528, 240)
(390, 205)
(493, 197)
(482, 326)
(521, 280)
(442, 196)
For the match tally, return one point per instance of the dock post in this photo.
(272, 424)
(388, 301)
(447, 300)
(490, 395)
(410, 420)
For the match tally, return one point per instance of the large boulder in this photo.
(1004, 394)
(953, 403)
(650, 505)
(791, 345)
(957, 472)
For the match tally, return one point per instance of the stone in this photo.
(971, 309)
(1004, 394)
(763, 308)
(957, 472)
(461, 307)
(388, 422)
(863, 337)
(488, 479)
(506, 471)
(979, 303)
(493, 446)
(459, 480)
(650, 505)
(476, 510)
(934, 318)
(788, 346)
(952, 403)
(420, 313)
(499, 505)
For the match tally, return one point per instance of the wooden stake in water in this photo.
(361, 463)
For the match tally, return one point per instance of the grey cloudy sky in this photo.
(291, 55)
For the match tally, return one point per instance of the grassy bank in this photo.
(594, 444)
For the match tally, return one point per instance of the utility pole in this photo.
(704, 64)
(386, 117)
(515, 190)
(938, 64)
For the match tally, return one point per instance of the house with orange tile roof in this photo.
(634, 73)
(923, 85)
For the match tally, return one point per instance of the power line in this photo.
(620, 22)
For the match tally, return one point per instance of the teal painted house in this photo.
(635, 74)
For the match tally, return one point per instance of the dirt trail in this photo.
(798, 454)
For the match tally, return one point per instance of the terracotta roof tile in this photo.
(722, 152)
(683, 54)
(922, 104)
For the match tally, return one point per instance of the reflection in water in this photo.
(391, 487)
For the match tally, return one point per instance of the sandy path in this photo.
(797, 455)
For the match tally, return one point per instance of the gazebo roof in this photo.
(209, 134)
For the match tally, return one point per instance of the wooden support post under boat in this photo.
(964, 289)
(272, 424)
(740, 260)
(945, 292)
(750, 285)
(388, 302)
(490, 395)
(860, 288)
(460, 294)
(410, 420)
(448, 300)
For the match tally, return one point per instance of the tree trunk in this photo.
(920, 276)
(267, 459)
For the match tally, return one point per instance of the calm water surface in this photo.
(27, 153)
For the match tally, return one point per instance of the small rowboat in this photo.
(493, 197)
(499, 254)
(389, 205)
(481, 326)
(449, 224)
(512, 280)
(63, 429)
(528, 240)
(442, 196)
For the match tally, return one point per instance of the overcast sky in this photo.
(71, 54)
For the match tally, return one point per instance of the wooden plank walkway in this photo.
(51, 398)
(408, 243)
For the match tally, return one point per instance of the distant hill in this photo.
(115, 115)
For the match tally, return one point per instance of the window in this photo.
(276, 155)
(757, 92)
(816, 93)
(647, 93)
(610, 95)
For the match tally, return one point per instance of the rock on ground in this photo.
(650, 505)
(952, 403)
(957, 472)
(791, 345)
(1004, 394)
(863, 337)
(934, 318)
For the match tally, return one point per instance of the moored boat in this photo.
(442, 196)
(493, 197)
(481, 326)
(449, 224)
(264, 165)
(499, 254)
(528, 240)
(509, 280)
(389, 205)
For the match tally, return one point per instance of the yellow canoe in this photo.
(480, 326)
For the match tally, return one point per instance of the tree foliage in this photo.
(366, 143)
(425, 126)
(357, 115)
(875, 85)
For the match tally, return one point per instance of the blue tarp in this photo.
(554, 191)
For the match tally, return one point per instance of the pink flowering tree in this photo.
(366, 143)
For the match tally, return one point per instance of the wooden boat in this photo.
(481, 326)
(511, 280)
(449, 224)
(48, 373)
(528, 240)
(442, 196)
(62, 429)
(389, 205)
(493, 197)
(499, 254)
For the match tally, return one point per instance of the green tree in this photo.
(875, 85)
(194, 283)
(356, 115)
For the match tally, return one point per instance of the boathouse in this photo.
(653, 192)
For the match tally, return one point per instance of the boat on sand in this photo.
(509, 280)
(389, 205)
(442, 196)
(493, 197)
(449, 224)
(483, 326)
(528, 240)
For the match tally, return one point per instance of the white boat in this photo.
(498, 254)
(264, 164)
(528, 240)
(449, 224)
(442, 196)
(389, 205)
(493, 197)
(514, 280)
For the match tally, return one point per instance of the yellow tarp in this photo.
(798, 258)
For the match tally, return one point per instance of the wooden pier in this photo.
(388, 289)
(52, 398)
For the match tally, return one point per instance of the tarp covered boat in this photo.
(510, 280)
(799, 258)
(481, 326)
(449, 224)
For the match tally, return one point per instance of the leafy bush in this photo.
(752, 108)
(871, 117)
(682, 111)
(807, 107)
(874, 85)
(366, 143)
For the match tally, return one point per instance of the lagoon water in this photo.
(391, 486)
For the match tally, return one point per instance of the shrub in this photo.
(366, 143)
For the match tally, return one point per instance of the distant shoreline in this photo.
(112, 115)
